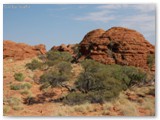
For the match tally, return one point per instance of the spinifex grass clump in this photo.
(19, 76)
(99, 83)
(19, 86)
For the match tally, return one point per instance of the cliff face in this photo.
(116, 46)
(20, 51)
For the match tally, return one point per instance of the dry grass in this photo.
(84, 108)
(128, 109)
(19, 107)
(13, 102)
(25, 92)
(73, 110)
(63, 111)
(149, 104)
(6, 109)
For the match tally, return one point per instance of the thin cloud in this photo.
(140, 17)
(140, 7)
(97, 16)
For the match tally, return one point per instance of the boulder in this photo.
(70, 48)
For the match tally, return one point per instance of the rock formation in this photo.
(71, 48)
(116, 46)
(64, 48)
(20, 51)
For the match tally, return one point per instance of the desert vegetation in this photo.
(97, 87)
(99, 83)
(151, 60)
(101, 76)
(19, 76)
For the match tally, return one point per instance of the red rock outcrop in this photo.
(117, 45)
(20, 51)
(64, 48)
(70, 48)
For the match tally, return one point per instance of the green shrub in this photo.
(61, 73)
(35, 64)
(25, 92)
(19, 76)
(55, 57)
(64, 67)
(51, 62)
(130, 75)
(91, 65)
(52, 79)
(20, 86)
(75, 98)
(99, 83)
(15, 86)
(26, 85)
(151, 60)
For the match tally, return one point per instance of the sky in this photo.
(56, 24)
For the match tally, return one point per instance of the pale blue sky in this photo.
(56, 24)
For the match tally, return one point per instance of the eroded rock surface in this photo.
(20, 51)
(117, 45)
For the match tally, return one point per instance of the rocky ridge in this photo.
(20, 51)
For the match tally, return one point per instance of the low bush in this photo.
(130, 75)
(18, 86)
(25, 92)
(15, 86)
(99, 83)
(75, 98)
(19, 76)
(35, 64)
(56, 55)
(64, 67)
(151, 60)
(52, 79)
(26, 85)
